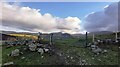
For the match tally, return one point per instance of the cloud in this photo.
(29, 19)
(106, 20)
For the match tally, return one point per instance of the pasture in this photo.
(68, 52)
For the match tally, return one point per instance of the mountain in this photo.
(13, 32)
(7, 32)
(77, 35)
(101, 32)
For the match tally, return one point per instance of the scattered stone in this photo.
(46, 50)
(93, 58)
(9, 63)
(23, 58)
(21, 52)
(40, 50)
(68, 56)
(104, 51)
(93, 46)
(32, 47)
(71, 57)
(8, 54)
(15, 52)
(97, 51)
(42, 56)
(24, 48)
(95, 43)
(119, 47)
(39, 44)
(99, 59)
(83, 61)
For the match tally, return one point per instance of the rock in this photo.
(104, 51)
(98, 40)
(119, 47)
(93, 58)
(15, 52)
(9, 63)
(71, 57)
(95, 43)
(46, 50)
(23, 58)
(40, 50)
(83, 61)
(97, 51)
(93, 46)
(60, 54)
(8, 54)
(24, 48)
(42, 56)
(21, 52)
(99, 59)
(39, 44)
(32, 47)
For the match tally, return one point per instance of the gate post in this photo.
(116, 36)
(39, 37)
(93, 38)
(51, 36)
(86, 40)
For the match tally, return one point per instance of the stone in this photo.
(93, 46)
(99, 59)
(46, 50)
(9, 63)
(21, 52)
(40, 50)
(32, 47)
(93, 58)
(23, 58)
(119, 47)
(15, 52)
(71, 57)
(24, 48)
(8, 54)
(98, 50)
(39, 44)
(95, 43)
(42, 56)
(98, 40)
(83, 61)
(104, 51)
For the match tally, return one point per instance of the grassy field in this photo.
(24, 36)
(71, 52)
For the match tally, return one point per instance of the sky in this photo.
(69, 17)
(77, 9)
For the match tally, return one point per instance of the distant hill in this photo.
(77, 35)
(7, 32)
(100, 32)
(13, 32)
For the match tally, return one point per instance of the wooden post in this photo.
(51, 35)
(39, 37)
(86, 39)
(93, 38)
(116, 36)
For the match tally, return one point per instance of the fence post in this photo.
(86, 39)
(116, 36)
(39, 37)
(51, 36)
(93, 38)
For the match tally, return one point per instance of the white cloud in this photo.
(26, 18)
(106, 20)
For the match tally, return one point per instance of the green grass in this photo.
(67, 47)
